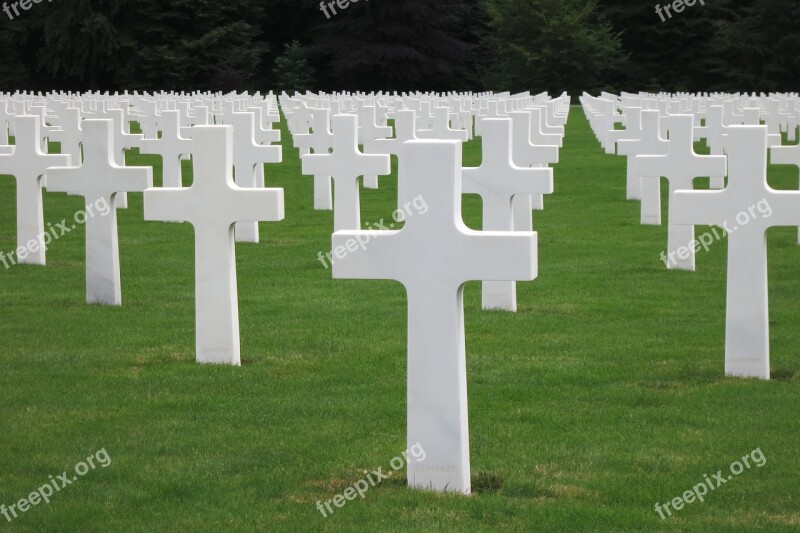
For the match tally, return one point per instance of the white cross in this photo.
(680, 165)
(27, 163)
(633, 126)
(405, 130)
(345, 165)
(70, 122)
(171, 146)
(649, 143)
(747, 315)
(213, 204)
(786, 155)
(433, 256)
(713, 132)
(247, 153)
(497, 181)
(99, 180)
(368, 130)
(441, 127)
(526, 154)
(321, 141)
(122, 141)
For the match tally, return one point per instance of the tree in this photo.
(551, 45)
(754, 47)
(81, 41)
(198, 45)
(397, 45)
(292, 71)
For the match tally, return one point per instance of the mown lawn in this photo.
(603, 395)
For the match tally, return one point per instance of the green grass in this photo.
(603, 395)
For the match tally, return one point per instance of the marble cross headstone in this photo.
(441, 127)
(786, 155)
(497, 181)
(405, 130)
(649, 143)
(713, 131)
(747, 208)
(321, 141)
(213, 204)
(99, 180)
(247, 153)
(171, 146)
(345, 165)
(122, 142)
(680, 165)
(70, 122)
(433, 256)
(526, 154)
(368, 130)
(27, 163)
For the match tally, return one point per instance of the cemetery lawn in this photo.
(603, 395)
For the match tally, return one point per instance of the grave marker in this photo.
(213, 204)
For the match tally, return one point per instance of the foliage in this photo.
(552, 45)
(292, 71)
(402, 45)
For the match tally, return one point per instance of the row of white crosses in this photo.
(433, 255)
(213, 204)
(531, 148)
(731, 127)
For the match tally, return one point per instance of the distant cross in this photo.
(99, 180)
(321, 141)
(171, 146)
(747, 318)
(441, 127)
(433, 256)
(680, 165)
(497, 181)
(526, 154)
(368, 130)
(213, 204)
(633, 126)
(345, 165)
(786, 155)
(405, 130)
(649, 143)
(247, 154)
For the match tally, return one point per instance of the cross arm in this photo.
(650, 165)
(133, 179)
(785, 155)
(700, 207)
(168, 204)
(258, 204)
(514, 181)
(505, 256)
(62, 179)
(709, 165)
(367, 255)
(316, 164)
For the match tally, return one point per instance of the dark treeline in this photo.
(554, 45)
